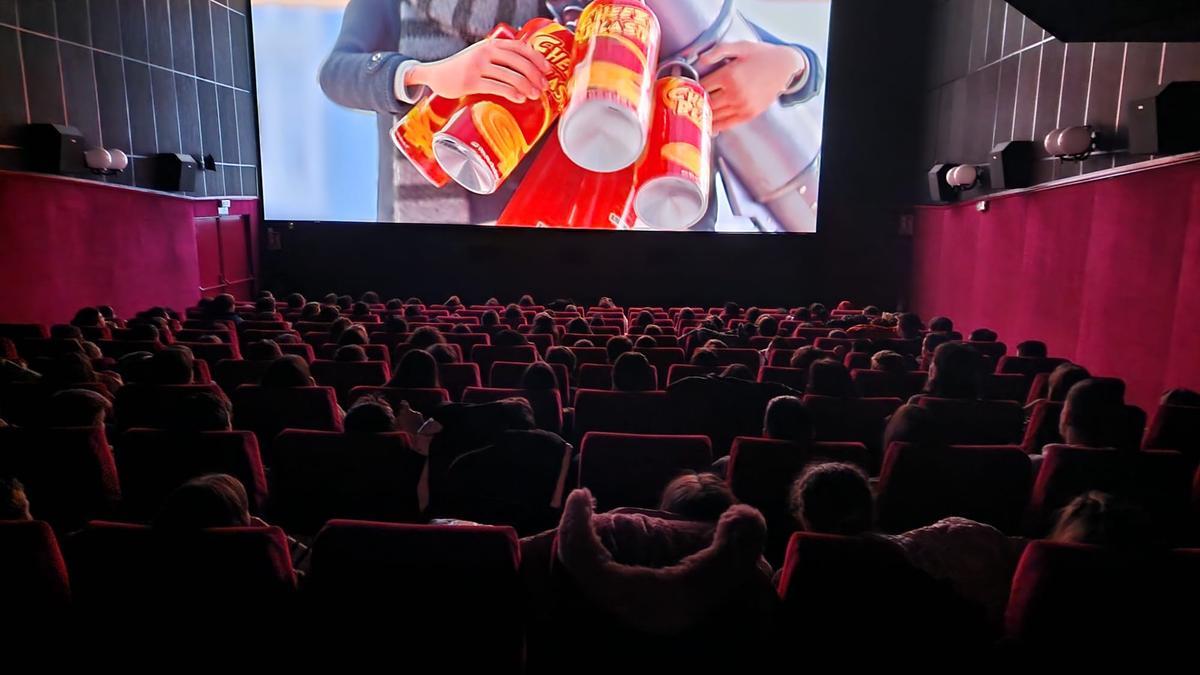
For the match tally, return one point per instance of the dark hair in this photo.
(513, 315)
(616, 346)
(328, 313)
(340, 325)
(562, 355)
(941, 324)
(369, 415)
(395, 324)
(908, 326)
(705, 358)
(509, 338)
(916, 425)
(295, 301)
(827, 377)
(1181, 397)
(1062, 378)
(350, 354)
(173, 365)
(983, 335)
(738, 371)
(65, 331)
(107, 312)
(956, 371)
(489, 318)
(135, 367)
(329, 299)
(204, 411)
(1033, 349)
(632, 372)
(578, 325)
(214, 500)
(645, 342)
(262, 350)
(425, 336)
(539, 376)
(542, 323)
(871, 310)
(412, 311)
(786, 419)
(804, 357)
(653, 329)
(1101, 519)
(370, 298)
(78, 408)
(14, 503)
(344, 301)
(833, 498)
(264, 305)
(687, 314)
(360, 309)
(643, 319)
(414, 300)
(697, 496)
(768, 326)
(526, 300)
(1093, 413)
(69, 368)
(818, 311)
(889, 361)
(417, 369)
(288, 370)
(310, 312)
(443, 353)
(394, 304)
(88, 316)
(223, 305)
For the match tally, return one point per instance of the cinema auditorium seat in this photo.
(632, 412)
(546, 404)
(229, 375)
(152, 463)
(212, 353)
(374, 352)
(881, 384)
(1175, 427)
(344, 376)
(486, 355)
(662, 359)
(318, 476)
(681, 370)
(788, 377)
(632, 469)
(304, 351)
(585, 355)
(458, 587)
(266, 411)
(1024, 365)
(507, 375)
(919, 486)
(1042, 428)
(69, 474)
(33, 575)
(456, 377)
(153, 405)
(27, 403)
(422, 400)
(857, 420)
(595, 376)
(969, 422)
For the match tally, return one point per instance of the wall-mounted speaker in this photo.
(54, 148)
(175, 172)
(1011, 165)
(939, 189)
(1167, 123)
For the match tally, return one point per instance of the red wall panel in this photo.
(1107, 272)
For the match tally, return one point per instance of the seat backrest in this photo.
(327, 351)
(635, 412)
(28, 403)
(998, 387)
(681, 370)
(585, 355)
(969, 422)
(795, 378)
(595, 376)
(153, 405)
(344, 376)
(69, 474)
(152, 463)
(18, 331)
(466, 341)
(542, 341)
(662, 358)
(486, 355)
(507, 375)
(1175, 427)
(747, 357)
(462, 576)
(33, 575)
(546, 404)
(212, 353)
(231, 374)
(919, 486)
(421, 400)
(456, 377)
(632, 469)
(1024, 365)
(1042, 428)
(304, 351)
(319, 475)
(877, 383)
(859, 420)
(266, 411)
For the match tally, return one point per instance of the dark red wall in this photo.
(68, 243)
(1107, 272)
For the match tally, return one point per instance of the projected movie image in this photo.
(668, 115)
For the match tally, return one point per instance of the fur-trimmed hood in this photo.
(662, 600)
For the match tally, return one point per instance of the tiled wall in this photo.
(146, 76)
(993, 75)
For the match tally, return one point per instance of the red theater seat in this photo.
(880, 384)
(1042, 428)
(153, 405)
(1175, 428)
(585, 355)
(789, 377)
(211, 353)
(269, 410)
(595, 376)
(374, 352)
(1006, 387)
(22, 331)
(546, 404)
(467, 341)
(681, 370)
(317, 476)
(635, 412)
(632, 469)
(27, 403)
(747, 357)
(33, 575)
(304, 351)
(465, 577)
(486, 355)
(919, 486)
(969, 422)
(456, 377)
(344, 376)
(858, 420)
(230, 375)
(507, 375)
(153, 463)
(421, 400)
(115, 349)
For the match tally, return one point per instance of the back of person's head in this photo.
(542, 323)
(65, 331)
(687, 314)
(412, 311)
(941, 324)
(350, 354)
(768, 326)
(1032, 349)
(616, 346)
(908, 326)
(135, 367)
(539, 376)
(340, 325)
(489, 318)
(1093, 412)
(509, 338)
(223, 305)
(643, 319)
(69, 368)
(632, 372)
(311, 311)
(872, 311)
(983, 335)
(1062, 378)
(425, 336)
(360, 309)
(87, 317)
(862, 346)
(453, 301)
(143, 330)
(916, 425)
(288, 370)
(204, 411)
(262, 350)
(889, 362)
(838, 334)
(786, 419)
(956, 371)
(328, 314)
(802, 314)
(414, 300)
(1189, 398)
(417, 369)
(370, 297)
(513, 315)
(804, 357)
(443, 353)
(645, 342)
(329, 299)
(705, 358)
(264, 305)
(344, 302)
(827, 377)
(561, 355)
(14, 503)
(738, 371)
(394, 304)
(578, 325)
(697, 496)
(295, 301)
(395, 324)
(526, 300)
(1102, 519)
(752, 315)
(107, 312)
(354, 335)
(818, 311)
(653, 329)
(173, 365)
(78, 408)
(214, 500)
(370, 415)
(833, 498)
(731, 309)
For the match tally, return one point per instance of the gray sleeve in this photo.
(360, 72)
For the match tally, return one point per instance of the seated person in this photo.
(78, 408)
(14, 504)
(417, 369)
(632, 372)
(827, 377)
(370, 415)
(350, 354)
(203, 411)
(288, 371)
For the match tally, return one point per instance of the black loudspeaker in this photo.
(175, 172)
(1168, 123)
(939, 190)
(1011, 165)
(54, 148)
